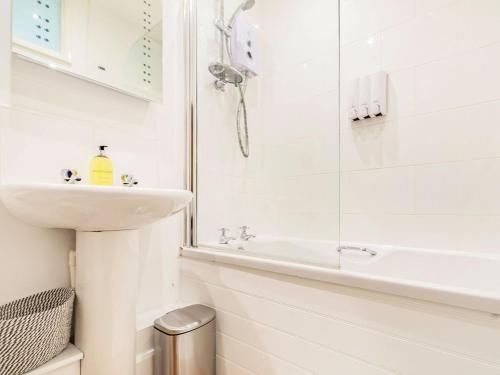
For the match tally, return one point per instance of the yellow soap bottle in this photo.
(101, 169)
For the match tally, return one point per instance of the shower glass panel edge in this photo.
(191, 117)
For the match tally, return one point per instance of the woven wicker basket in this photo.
(34, 330)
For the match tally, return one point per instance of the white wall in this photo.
(50, 121)
(289, 185)
(427, 175)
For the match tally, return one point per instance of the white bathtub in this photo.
(449, 269)
(456, 278)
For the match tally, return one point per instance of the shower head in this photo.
(226, 73)
(246, 5)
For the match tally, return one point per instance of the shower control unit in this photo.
(238, 41)
(244, 47)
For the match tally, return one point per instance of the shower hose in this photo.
(242, 111)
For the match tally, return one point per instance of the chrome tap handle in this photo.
(340, 249)
(224, 239)
(129, 180)
(70, 176)
(245, 236)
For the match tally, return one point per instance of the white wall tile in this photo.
(226, 367)
(247, 317)
(360, 18)
(426, 5)
(253, 359)
(361, 145)
(462, 188)
(33, 259)
(471, 233)
(298, 32)
(36, 147)
(477, 233)
(474, 22)
(459, 81)
(441, 32)
(436, 231)
(400, 335)
(389, 190)
(360, 227)
(302, 353)
(360, 58)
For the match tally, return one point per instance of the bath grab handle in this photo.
(340, 249)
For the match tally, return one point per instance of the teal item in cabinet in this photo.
(38, 22)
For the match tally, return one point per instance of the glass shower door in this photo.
(286, 192)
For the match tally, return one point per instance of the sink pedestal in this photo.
(106, 288)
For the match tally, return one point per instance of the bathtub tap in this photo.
(340, 249)
(224, 239)
(245, 236)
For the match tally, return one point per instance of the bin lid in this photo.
(184, 320)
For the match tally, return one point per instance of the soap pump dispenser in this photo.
(101, 169)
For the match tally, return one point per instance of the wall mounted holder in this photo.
(369, 97)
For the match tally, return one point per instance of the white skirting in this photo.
(66, 363)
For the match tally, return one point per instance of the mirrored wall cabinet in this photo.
(114, 43)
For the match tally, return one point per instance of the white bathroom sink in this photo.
(88, 208)
(107, 220)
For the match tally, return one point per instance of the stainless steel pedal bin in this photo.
(185, 342)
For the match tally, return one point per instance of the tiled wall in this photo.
(50, 121)
(424, 176)
(270, 324)
(289, 185)
(427, 175)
